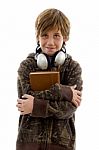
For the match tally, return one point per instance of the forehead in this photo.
(51, 30)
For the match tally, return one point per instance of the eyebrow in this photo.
(57, 33)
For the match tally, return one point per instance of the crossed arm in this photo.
(59, 101)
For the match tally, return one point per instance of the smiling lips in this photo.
(50, 49)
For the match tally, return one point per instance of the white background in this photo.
(17, 39)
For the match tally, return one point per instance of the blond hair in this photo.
(52, 18)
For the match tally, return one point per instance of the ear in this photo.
(64, 38)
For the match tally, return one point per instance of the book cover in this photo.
(40, 81)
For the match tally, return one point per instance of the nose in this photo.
(50, 40)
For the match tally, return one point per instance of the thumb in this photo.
(25, 96)
(74, 86)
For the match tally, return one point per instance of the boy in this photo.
(47, 117)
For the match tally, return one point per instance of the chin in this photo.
(50, 54)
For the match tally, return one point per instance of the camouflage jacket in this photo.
(51, 124)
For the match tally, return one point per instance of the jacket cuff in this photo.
(39, 108)
(66, 93)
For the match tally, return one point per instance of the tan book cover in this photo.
(43, 80)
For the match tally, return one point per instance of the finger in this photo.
(22, 112)
(79, 93)
(75, 103)
(25, 96)
(78, 102)
(19, 109)
(79, 97)
(74, 86)
(19, 101)
(18, 105)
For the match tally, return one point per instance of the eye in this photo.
(56, 35)
(44, 35)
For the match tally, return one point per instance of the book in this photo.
(40, 81)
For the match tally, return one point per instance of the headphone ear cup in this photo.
(60, 58)
(42, 61)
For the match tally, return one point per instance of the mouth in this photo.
(50, 48)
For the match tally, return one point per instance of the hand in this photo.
(76, 100)
(25, 105)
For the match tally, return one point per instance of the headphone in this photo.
(44, 61)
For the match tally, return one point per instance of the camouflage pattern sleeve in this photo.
(59, 110)
(73, 74)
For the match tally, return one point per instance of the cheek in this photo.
(42, 43)
(59, 44)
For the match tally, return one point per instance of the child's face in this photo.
(51, 41)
